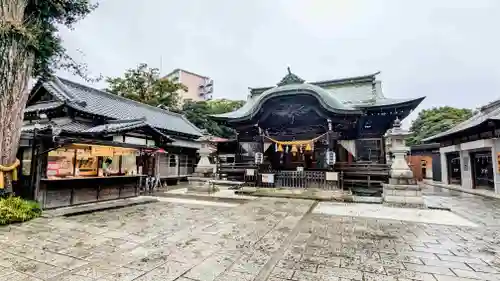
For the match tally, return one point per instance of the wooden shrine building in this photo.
(299, 125)
(80, 145)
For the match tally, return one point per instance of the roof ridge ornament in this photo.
(290, 78)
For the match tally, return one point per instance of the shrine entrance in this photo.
(297, 155)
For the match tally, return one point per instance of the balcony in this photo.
(206, 90)
(207, 83)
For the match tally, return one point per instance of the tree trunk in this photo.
(16, 64)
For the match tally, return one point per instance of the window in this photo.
(114, 168)
(172, 161)
(129, 165)
(26, 167)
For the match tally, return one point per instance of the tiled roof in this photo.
(43, 106)
(101, 103)
(328, 83)
(488, 112)
(119, 126)
(31, 127)
(345, 95)
(185, 143)
(73, 126)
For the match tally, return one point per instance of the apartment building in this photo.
(199, 87)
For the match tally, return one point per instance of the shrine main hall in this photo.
(314, 126)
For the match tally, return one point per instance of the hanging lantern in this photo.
(294, 149)
(308, 147)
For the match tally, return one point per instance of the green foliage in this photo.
(15, 209)
(44, 18)
(145, 85)
(199, 113)
(436, 120)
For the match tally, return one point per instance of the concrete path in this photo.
(263, 239)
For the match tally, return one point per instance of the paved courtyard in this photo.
(264, 239)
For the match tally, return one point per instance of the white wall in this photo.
(465, 150)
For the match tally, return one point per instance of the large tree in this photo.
(145, 85)
(30, 47)
(199, 114)
(435, 120)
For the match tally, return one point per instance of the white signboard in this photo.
(132, 140)
(332, 176)
(268, 178)
(300, 169)
(250, 172)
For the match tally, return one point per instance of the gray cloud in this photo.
(446, 50)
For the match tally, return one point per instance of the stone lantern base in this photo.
(201, 185)
(406, 195)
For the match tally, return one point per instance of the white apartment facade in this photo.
(199, 87)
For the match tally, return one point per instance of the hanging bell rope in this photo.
(295, 142)
(308, 147)
(8, 169)
(280, 147)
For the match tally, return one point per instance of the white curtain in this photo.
(349, 145)
(267, 145)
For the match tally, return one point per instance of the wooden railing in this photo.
(363, 175)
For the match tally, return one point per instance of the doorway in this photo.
(482, 170)
(454, 168)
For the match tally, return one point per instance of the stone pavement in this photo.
(264, 239)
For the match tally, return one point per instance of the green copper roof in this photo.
(324, 97)
(348, 95)
(291, 78)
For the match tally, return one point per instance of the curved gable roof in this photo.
(350, 95)
(254, 103)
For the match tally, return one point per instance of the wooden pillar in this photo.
(383, 152)
(238, 150)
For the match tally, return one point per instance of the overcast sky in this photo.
(447, 50)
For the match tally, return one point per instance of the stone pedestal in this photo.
(403, 195)
(402, 188)
(201, 185)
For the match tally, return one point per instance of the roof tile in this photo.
(98, 102)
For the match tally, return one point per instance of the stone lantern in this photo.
(205, 167)
(201, 181)
(402, 188)
(396, 138)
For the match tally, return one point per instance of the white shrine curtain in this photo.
(349, 145)
(267, 145)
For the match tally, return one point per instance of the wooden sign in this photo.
(102, 151)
